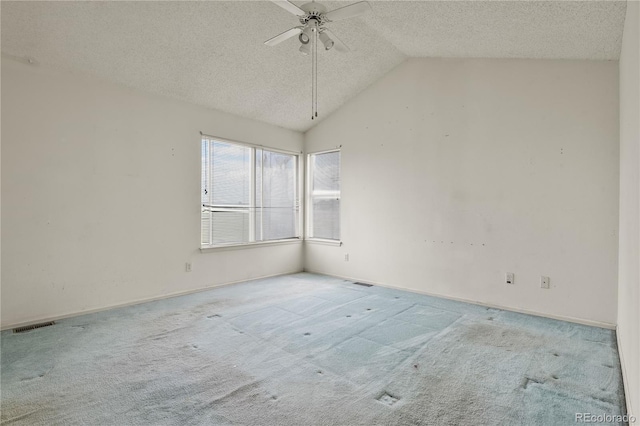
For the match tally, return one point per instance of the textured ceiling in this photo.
(212, 53)
(503, 29)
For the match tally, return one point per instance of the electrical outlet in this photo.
(544, 282)
(346, 257)
(187, 267)
(509, 278)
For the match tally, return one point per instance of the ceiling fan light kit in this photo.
(313, 17)
(306, 35)
(326, 40)
(305, 48)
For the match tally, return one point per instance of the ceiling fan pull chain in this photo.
(313, 73)
(316, 59)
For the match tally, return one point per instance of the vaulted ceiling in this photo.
(211, 53)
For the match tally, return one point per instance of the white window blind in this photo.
(248, 194)
(324, 195)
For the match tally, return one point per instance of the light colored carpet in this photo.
(306, 349)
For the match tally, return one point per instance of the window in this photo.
(249, 194)
(324, 196)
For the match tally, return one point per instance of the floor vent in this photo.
(32, 327)
(364, 285)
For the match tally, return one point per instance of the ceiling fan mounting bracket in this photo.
(314, 8)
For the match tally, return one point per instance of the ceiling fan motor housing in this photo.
(315, 11)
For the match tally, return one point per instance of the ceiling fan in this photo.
(313, 19)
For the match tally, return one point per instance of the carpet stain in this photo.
(501, 336)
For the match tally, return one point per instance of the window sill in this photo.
(325, 242)
(250, 245)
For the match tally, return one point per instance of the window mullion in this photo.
(262, 196)
(252, 198)
(210, 194)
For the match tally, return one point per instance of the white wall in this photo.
(457, 171)
(629, 263)
(100, 194)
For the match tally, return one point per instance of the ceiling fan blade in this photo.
(290, 7)
(350, 11)
(339, 45)
(282, 37)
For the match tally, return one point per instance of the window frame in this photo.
(298, 182)
(309, 200)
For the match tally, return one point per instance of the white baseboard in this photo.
(135, 302)
(475, 302)
(182, 293)
(625, 379)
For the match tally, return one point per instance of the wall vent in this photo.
(364, 285)
(32, 327)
